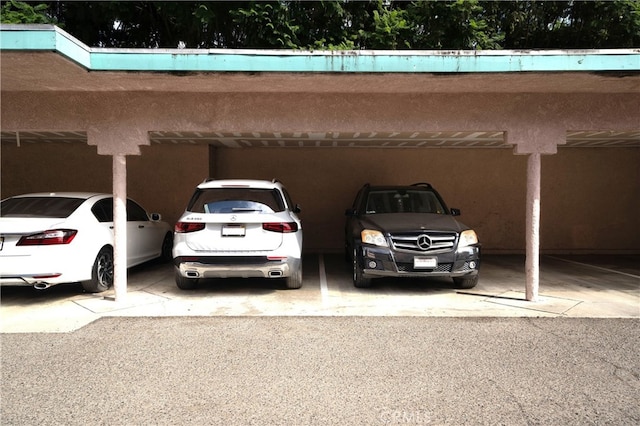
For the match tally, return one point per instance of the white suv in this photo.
(238, 228)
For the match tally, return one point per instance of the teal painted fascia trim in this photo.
(27, 40)
(375, 62)
(44, 38)
(51, 38)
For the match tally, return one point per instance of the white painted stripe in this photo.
(595, 267)
(324, 289)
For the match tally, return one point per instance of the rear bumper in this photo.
(236, 266)
(46, 269)
(40, 281)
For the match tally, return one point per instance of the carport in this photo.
(56, 89)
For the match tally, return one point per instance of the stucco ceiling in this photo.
(367, 139)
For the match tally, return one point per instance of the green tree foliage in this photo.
(19, 12)
(579, 24)
(342, 24)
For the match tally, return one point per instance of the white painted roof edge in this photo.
(303, 52)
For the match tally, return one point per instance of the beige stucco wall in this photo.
(325, 182)
(161, 179)
(590, 196)
(591, 199)
(490, 193)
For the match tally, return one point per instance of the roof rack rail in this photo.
(428, 185)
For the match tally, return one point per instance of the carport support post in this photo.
(533, 227)
(534, 139)
(119, 138)
(120, 226)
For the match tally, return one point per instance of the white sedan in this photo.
(67, 237)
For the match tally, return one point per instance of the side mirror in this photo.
(455, 212)
(350, 212)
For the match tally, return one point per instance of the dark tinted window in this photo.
(289, 200)
(403, 201)
(136, 213)
(236, 200)
(103, 211)
(57, 207)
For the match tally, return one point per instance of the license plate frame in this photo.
(420, 262)
(235, 231)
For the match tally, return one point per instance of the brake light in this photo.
(276, 257)
(283, 227)
(185, 227)
(44, 277)
(48, 238)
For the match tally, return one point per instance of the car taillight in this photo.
(284, 227)
(47, 238)
(184, 227)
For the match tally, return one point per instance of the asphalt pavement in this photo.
(401, 353)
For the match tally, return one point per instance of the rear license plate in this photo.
(233, 231)
(425, 262)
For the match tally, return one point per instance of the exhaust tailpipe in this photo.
(41, 286)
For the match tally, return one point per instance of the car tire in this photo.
(101, 272)
(167, 247)
(295, 280)
(466, 283)
(359, 280)
(185, 283)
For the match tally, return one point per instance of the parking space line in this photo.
(324, 289)
(595, 267)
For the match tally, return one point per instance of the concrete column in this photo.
(119, 139)
(532, 265)
(534, 140)
(120, 227)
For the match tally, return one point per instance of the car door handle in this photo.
(140, 226)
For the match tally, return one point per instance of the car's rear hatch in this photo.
(243, 232)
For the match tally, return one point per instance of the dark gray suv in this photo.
(408, 231)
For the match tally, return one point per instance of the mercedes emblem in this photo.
(424, 242)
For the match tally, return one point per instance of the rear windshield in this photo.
(403, 201)
(56, 207)
(236, 200)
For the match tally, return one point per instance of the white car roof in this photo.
(65, 194)
(248, 183)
